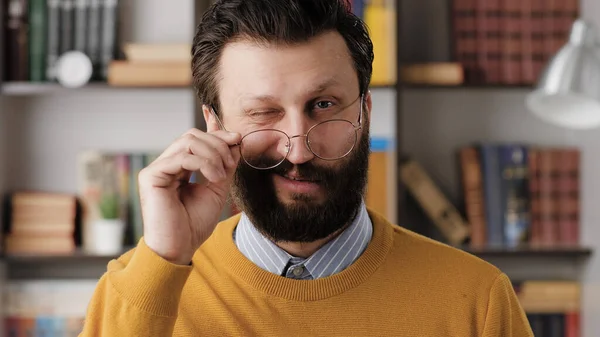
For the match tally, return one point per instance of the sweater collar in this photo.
(221, 253)
(333, 257)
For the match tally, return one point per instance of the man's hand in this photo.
(178, 215)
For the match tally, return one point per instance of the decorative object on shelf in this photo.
(435, 73)
(152, 65)
(109, 229)
(568, 92)
(74, 69)
(158, 52)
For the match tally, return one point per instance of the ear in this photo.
(369, 104)
(211, 123)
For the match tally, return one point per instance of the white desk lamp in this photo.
(568, 91)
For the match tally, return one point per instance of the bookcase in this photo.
(427, 122)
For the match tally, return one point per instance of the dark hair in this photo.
(274, 21)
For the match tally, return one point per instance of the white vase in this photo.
(108, 236)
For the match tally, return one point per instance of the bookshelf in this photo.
(11, 89)
(416, 110)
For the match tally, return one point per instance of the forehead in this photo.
(284, 71)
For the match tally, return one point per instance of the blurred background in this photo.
(457, 154)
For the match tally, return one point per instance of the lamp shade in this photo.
(568, 91)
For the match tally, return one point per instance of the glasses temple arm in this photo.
(221, 126)
(361, 111)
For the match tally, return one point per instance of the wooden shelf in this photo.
(467, 87)
(545, 252)
(79, 256)
(83, 257)
(29, 88)
(383, 86)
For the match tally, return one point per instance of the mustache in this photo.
(308, 171)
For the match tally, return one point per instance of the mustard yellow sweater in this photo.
(402, 285)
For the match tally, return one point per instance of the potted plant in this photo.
(109, 229)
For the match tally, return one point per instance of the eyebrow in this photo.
(331, 82)
(315, 90)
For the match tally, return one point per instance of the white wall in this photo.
(51, 130)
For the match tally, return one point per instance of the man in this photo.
(285, 90)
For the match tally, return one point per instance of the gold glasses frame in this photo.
(306, 135)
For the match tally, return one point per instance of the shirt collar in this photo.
(335, 256)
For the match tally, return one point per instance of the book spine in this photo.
(514, 194)
(550, 22)
(537, 37)
(52, 38)
(16, 36)
(472, 183)
(533, 164)
(510, 42)
(358, 7)
(464, 31)
(554, 325)
(490, 162)
(536, 321)
(66, 26)
(568, 196)
(482, 23)
(108, 36)
(526, 61)
(573, 324)
(92, 47)
(494, 16)
(548, 226)
(37, 40)
(81, 26)
(136, 229)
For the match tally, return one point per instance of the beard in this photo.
(304, 219)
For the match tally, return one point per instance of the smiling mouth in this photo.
(299, 179)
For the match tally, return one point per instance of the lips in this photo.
(302, 179)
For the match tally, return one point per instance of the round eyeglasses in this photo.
(331, 139)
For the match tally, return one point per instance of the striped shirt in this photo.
(333, 257)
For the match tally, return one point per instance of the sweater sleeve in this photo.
(505, 317)
(138, 295)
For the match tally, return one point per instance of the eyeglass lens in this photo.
(328, 140)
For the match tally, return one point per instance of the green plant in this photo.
(109, 206)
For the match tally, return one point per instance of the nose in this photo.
(298, 125)
(299, 152)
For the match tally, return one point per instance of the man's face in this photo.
(292, 88)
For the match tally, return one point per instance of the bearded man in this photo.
(285, 92)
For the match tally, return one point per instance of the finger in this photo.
(230, 138)
(203, 148)
(219, 140)
(227, 152)
(210, 148)
(182, 143)
(162, 173)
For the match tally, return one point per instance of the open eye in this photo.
(324, 104)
